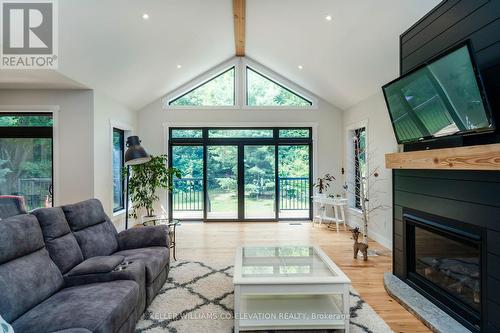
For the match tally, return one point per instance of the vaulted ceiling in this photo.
(108, 46)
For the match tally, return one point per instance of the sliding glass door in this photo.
(259, 182)
(187, 197)
(241, 174)
(222, 182)
(294, 181)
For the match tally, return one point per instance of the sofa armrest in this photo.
(97, 265)
(143, 237)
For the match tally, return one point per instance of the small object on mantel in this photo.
(483, 157)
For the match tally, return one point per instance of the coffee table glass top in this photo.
(283, 261)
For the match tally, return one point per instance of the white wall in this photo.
(74, 164)
(84, 121)
(108, 114)
(381, 140)
(328, 154)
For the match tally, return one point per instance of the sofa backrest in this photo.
(92, 228)
(27, 274)
(59, 240)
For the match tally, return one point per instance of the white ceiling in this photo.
(106, 45)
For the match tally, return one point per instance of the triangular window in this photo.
(217, 91)
(262, 91)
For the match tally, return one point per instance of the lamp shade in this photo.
(135, 153)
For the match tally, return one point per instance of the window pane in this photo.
(259, 178)
(241, 133)
(222, 182)
(25, 121)
(118, 155)
(261, 91)
(293, 169)
(187, 195)
(219, 91)
(26, 172)
(195, 133)
(360, 163)
(294, 133)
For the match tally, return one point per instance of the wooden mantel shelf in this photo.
(484, 157)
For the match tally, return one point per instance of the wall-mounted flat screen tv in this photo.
(440, 98)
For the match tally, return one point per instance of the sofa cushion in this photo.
(19, 235)
(26, 282)
(133, 271)
(84, 214)
(27, 275)
(98, 307)
(93, 230)
(97, 265)
(154, 258)
(59, 241)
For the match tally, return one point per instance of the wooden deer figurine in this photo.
(357, 246)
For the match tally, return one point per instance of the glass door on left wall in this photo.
(26, 159)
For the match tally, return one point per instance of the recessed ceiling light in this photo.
(300, 67)
(145, 16)
(328, 17)
(179, 66)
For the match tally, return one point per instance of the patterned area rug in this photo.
(198, 298)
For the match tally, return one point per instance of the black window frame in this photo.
(275, 140)
(357, 171)
(31, 132)
(122, 166)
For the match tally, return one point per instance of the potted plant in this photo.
(323, 183)
(145, 180)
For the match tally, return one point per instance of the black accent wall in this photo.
(471, 197)
(449, 24)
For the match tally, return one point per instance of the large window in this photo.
(218, 91)
(118, 164)
(26, 159)
(240, 84)
(262, 91)
(241, 174)
(359, 154)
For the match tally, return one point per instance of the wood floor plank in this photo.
(216, 240)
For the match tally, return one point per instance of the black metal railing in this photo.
(294, 193)
(36, 192)
(187, 194)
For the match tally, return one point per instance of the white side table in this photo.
(338, 205)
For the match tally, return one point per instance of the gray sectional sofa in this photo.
(67, 269)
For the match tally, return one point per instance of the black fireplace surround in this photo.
(444, 262)
(445, 209)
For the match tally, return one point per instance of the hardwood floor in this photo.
(209, 241)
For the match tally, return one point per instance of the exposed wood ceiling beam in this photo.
(239, 7)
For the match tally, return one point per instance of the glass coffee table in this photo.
(289, 288)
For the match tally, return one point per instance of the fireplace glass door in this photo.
(450, 263)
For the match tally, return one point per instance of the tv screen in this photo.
(441, 98)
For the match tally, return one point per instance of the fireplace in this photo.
(443, 262)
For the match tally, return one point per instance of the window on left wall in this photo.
(26, 161)
(118, 165)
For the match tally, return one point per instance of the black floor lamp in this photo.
(134, 155)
